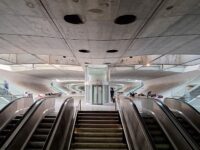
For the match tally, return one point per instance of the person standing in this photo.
(112, 92)
(6, 87)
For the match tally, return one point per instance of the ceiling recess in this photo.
(169, 7)
(84, 51)
(73, 19)
(125, 19)
(112, 51)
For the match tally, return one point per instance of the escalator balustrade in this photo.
(156, 133)
(9, 128)
(40, 135)
(194, 134)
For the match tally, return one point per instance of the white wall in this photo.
(26, 82)
(165, 85)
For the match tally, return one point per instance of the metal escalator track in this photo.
(194, 134)
(9, 128)
(40, 135)
(156, 133)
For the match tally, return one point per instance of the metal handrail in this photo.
(54, 128)
(12, 108)
(25, 117)
(30, 123)
(177, 124)
(135, 135)
(150, 106)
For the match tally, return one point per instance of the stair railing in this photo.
(135, 135)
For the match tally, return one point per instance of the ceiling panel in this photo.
(20, 7)
(8, 48)
(40, 45)
(26, 25)
(161, 45)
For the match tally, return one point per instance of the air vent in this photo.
(125, 19)
(73, 19)
(112, 51)
(84, 51)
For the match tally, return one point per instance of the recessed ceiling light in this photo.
(73, 19)
(130, 56)
(169, 7)
(125, 19)
(64, 56)
(84, 51)
(112, 51)
(148, 64)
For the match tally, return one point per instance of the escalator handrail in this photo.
(26, 120)
(173, 119)
(10, 110)
(10, 103)
(126, 130)
(22, 122)
(64, 127)
(54, 128)
(143, 124)
(185, 104)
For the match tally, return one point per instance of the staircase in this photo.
(98, 130)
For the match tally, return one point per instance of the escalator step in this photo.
(45, 125)
(5, 132)
(39, 137)
(33, 144)
(99, 145)
(42, 131)
(163, 146)
(48, 120)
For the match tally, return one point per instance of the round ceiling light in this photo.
(73, 19)
(84, 51)
(112, 51)
(125, 19)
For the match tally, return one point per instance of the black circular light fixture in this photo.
(130, 56)
(84, 51)
(64, 56)
(73, 19)
(125, 19)
(112, 51)
(170, 7)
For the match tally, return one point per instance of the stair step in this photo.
(45, 125)
(39, 137)
(99, 145)
(85, 111)
(98, 114)
(98, 140)
(42, 131)
(84, 125)
(98, 121)
(33, 144)
(98, 129)
(98, 117)
(48, 120)
(95, 149)
(92, 134)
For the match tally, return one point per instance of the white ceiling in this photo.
(37, 27)
(34, 32)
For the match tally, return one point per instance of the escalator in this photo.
(40, 135)
(194, 134)
(9, 128)
(156, 133)
(188, 120)
(98, 130)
